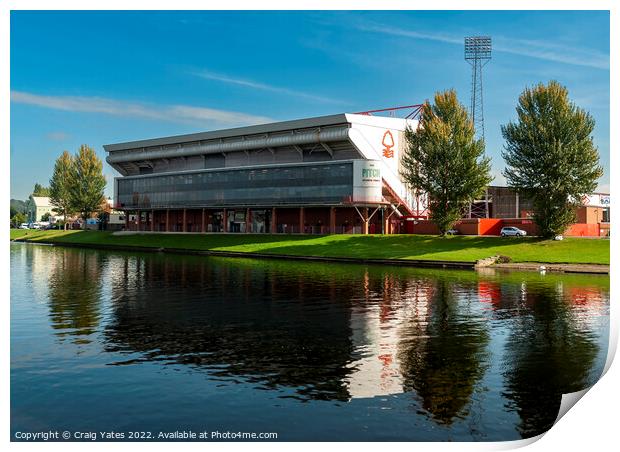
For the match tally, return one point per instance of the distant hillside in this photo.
(17, 206)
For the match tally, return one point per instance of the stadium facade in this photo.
(329, 174)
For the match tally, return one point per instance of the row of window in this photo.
(243, 178)
(307, 184)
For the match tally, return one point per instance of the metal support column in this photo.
(486, 202)
(139, 217)
(332, 220)
(153, 220)
(184, 220)
(167, 220)
(225, 221)
(274, 221)
(202, 222)
(386, 223)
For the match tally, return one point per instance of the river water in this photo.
(129, 342)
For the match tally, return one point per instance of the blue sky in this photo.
(105, 77)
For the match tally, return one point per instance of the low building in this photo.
(505, 202)
(115, 219)
(500, 202)
(37, 206)
(503, 206)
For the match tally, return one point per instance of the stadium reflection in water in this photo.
(117, 341)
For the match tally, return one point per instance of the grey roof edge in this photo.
(317, 121)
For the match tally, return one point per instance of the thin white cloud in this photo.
(544, 50)
(167, 113)
(390, 30)
(264, 87)
(57, 136)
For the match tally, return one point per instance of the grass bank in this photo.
(457, 248)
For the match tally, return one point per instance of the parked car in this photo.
(24, 226)
(452, 232)
(512, 231)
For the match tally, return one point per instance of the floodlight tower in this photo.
(477, 54)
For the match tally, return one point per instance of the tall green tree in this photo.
(17, 206)
(18, 219)
(88, 182)
(60, 184)
(40, 190)
(550, 155)
(444, 159)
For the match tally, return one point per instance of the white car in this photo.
(512, 231)
(23, 226)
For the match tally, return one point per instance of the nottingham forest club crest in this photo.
(388, 145)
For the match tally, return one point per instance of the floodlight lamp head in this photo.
(478, 48)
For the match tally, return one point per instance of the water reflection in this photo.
(453, 345)
(548, 353)
(74, 284)
(443, 352)
(238, 322)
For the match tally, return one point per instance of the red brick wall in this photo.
(468, 226)
(421, 227)
(583, 230)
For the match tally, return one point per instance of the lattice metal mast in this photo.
(477, 54)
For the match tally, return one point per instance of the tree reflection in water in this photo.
(75, 285)
(444, 352)
(547, 355)
(241, 323)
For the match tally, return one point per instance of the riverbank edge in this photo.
(598, 269)
(458, 265)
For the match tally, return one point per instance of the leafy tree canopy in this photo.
(87, 182)
(550, 155)
(60, 183)
(40, 190)
(444, 159)
(18, 219)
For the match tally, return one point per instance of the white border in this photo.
(589, 426)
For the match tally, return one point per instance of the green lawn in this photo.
(458, 248)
